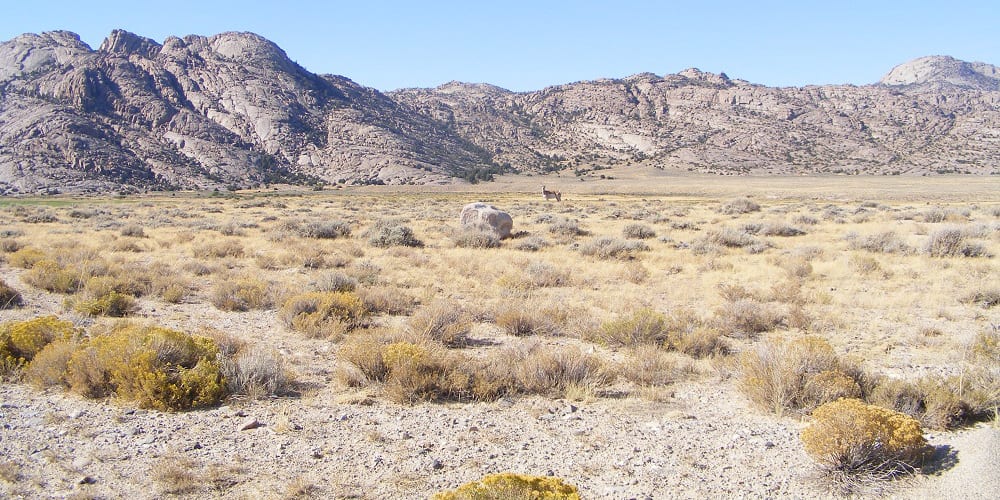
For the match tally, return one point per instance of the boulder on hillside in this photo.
(481, 215)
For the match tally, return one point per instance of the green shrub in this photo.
(475, 237)
(851, 438)
(153, 366)
(336, 282)
(323, 313)
(389, 232)
(509, 486)
(326, 230)
(567, 227)
(638, 232)
(9, 297)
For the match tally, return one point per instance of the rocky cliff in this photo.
(233, 109)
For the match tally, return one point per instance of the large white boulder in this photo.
(481, 215)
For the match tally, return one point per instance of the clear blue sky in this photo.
(527, 45)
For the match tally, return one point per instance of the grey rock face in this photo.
(945, 70)
(233, 109)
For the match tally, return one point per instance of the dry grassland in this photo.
(608, 300)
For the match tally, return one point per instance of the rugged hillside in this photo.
(941, 121)
(197, 112)
(233, 109)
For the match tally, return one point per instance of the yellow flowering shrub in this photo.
(153, 366)
(850, 436)
(401, 354)
(20, 341)
(508, 485)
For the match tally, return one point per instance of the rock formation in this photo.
(483, 216)
(234, 110)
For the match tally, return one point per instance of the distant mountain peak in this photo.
(697, 74)
(944, 70)
(125, 43)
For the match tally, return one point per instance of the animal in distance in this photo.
(549, 195)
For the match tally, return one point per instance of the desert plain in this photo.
(575, 383)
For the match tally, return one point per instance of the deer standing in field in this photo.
(551, 194)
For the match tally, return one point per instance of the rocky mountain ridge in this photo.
(234, 110)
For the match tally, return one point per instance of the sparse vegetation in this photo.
(604, 305)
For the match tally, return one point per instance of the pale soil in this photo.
(700, 439)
